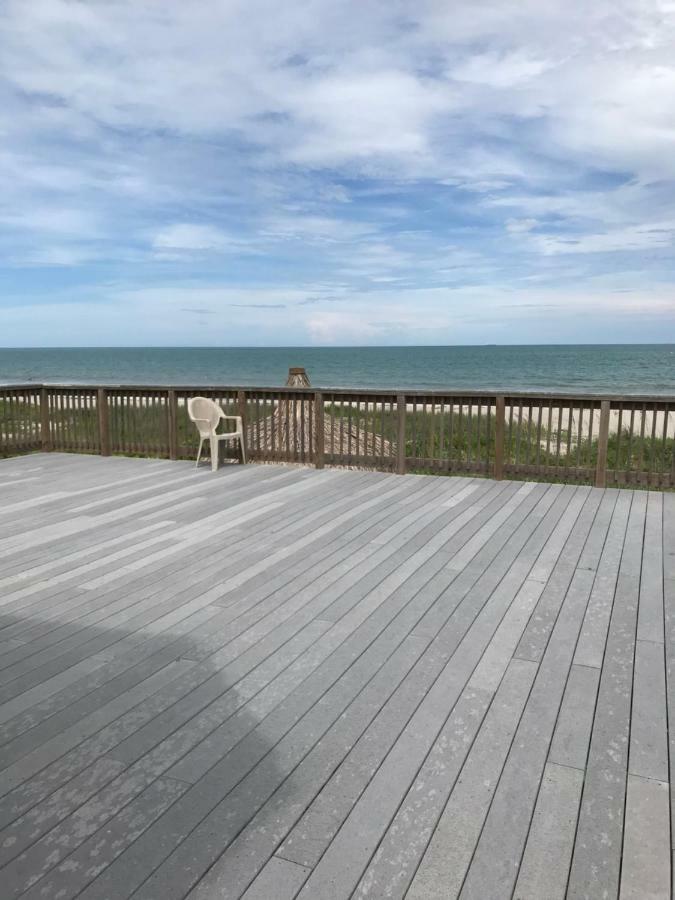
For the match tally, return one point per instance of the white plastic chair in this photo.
(207, 415)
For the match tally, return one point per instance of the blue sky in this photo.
(325, 172)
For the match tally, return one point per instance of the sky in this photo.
(257, 173)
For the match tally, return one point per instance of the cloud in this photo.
(185, 236)
(259, 305)
(334, 328)
(387, 316)
(500, 70)
(54, 220)
(654, 237)
(316, 228)
(301, 155)
(518, 226)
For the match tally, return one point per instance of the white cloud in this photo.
(315, 228)
(625, 239)
(500, 70)
(355, 146)
(332, 328)
(186, 236)
(518, 226)
(358, 86)
(53, 220)
(206, 314)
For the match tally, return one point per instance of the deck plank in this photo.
(285, 682)
(669, 610)
(596, 861)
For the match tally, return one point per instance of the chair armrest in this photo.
(237, 419)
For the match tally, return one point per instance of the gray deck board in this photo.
(278, 682)
(596, 860)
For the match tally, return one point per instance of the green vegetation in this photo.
(449, 441)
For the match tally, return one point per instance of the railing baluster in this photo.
(548, 433)
(400, 434)
(652, 446)
(488, 434)
(617, 461)
(500, 411)
(603, 436)
(45, 430)
(103, 423)
(664, 444)
(451, 423)
(557, 441)
(319, 433)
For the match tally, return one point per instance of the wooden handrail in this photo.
(564, 397)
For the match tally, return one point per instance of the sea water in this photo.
(590, 369)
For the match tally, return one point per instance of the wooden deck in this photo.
(278, 682)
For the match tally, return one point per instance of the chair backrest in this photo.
(204, 413)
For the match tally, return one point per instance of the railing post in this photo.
(319, 433)
(400, 434)
(500, 419)
(241, 410)
(45, 431)
(103, 422)
(603, 440)
(172, 416)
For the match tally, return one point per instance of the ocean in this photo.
(589, 369)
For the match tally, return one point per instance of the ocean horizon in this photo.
(580, 368)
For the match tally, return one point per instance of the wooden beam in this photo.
(400, 434)
(603, 440)
(45, 430)
(172, 417)
(103, 422)
(500, 418)
(241, 411)
(319, 432)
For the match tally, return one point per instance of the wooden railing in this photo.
(606, 441)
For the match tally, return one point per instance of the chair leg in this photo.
(243, 450)
(199, 452)
(214, 454)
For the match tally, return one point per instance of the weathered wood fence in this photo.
(594, 440)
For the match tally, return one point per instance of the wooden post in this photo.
(45, 435)
(241, 409)
(103, 422)
(400, 434)
(319, 433)
(500, 419)
(603, 439)
(172, 416)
